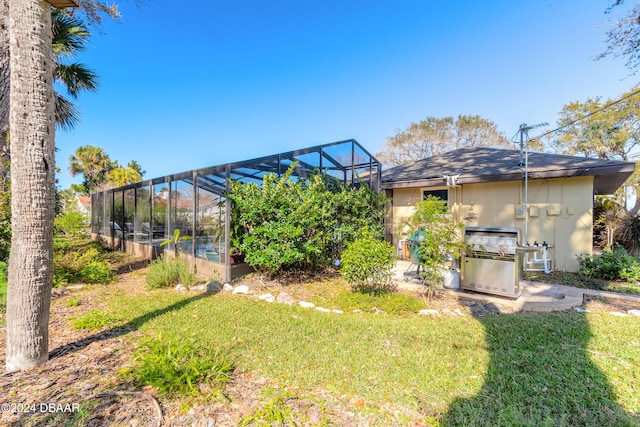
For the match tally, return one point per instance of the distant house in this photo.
(80, 204)
(84, 204)
(486, 186)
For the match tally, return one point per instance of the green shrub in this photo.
(168, 272)
(61, 244)
(71, 223)
(93, 320)
(81, 267)
(95, 272)
(3, 286)
(367, 263)
(5, 215)
(439, 236)
(614, 264)
(179, 368)
(285, 224)
(73, 302)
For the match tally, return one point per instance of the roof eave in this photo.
(607, 179)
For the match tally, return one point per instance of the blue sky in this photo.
(185, 85)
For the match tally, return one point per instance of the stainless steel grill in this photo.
(493, 264)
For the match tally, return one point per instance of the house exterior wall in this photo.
(560, 212)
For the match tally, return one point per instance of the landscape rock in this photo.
(241, 289)
(213, 286)
(285, 298)
(617, 313)
(458, 312)
(634, 312)
(59, 292)
(449, 312)
(305, 304)
(267, 298)
(323, 310)
(429, 312)
(580, 310)
(227, 287)
(179, 287)
(337, 311)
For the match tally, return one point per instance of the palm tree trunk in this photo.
(4, 75)
(32, 127)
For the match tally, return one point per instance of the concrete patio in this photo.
(536, 296)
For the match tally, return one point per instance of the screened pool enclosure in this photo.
(137, 218)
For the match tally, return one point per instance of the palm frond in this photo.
(67, 114)
(69, 33)
(75, 78)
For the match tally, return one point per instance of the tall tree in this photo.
(26, 25)
(94, 164)
(123, 175)
(435, 135)
(623, 38)
(136, 167)
(606, 130)
(32, 126)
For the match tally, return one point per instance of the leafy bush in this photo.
(71, 223)
(167, 272)
(93, 320)
(3, 286)
(81, 267)
(73, 302)
(614, 264)
(61, 244)
(285, 224)
(439, 237)
(367, 263)
(180, 368)
(95, 272)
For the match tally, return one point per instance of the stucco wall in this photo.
(560, 210)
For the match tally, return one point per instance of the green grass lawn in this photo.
(560, 369)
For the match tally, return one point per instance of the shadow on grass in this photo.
(540, 374)
(117, 331)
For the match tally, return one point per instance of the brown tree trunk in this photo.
(32, 128)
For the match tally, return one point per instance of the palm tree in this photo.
(27, 108)
(94, 164)
(69, 37)
(32, 124)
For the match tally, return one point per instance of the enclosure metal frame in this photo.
(347, 161)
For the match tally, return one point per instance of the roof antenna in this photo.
(524, 161)
(523, 130)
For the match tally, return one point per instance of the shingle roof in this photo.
(482, 164)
